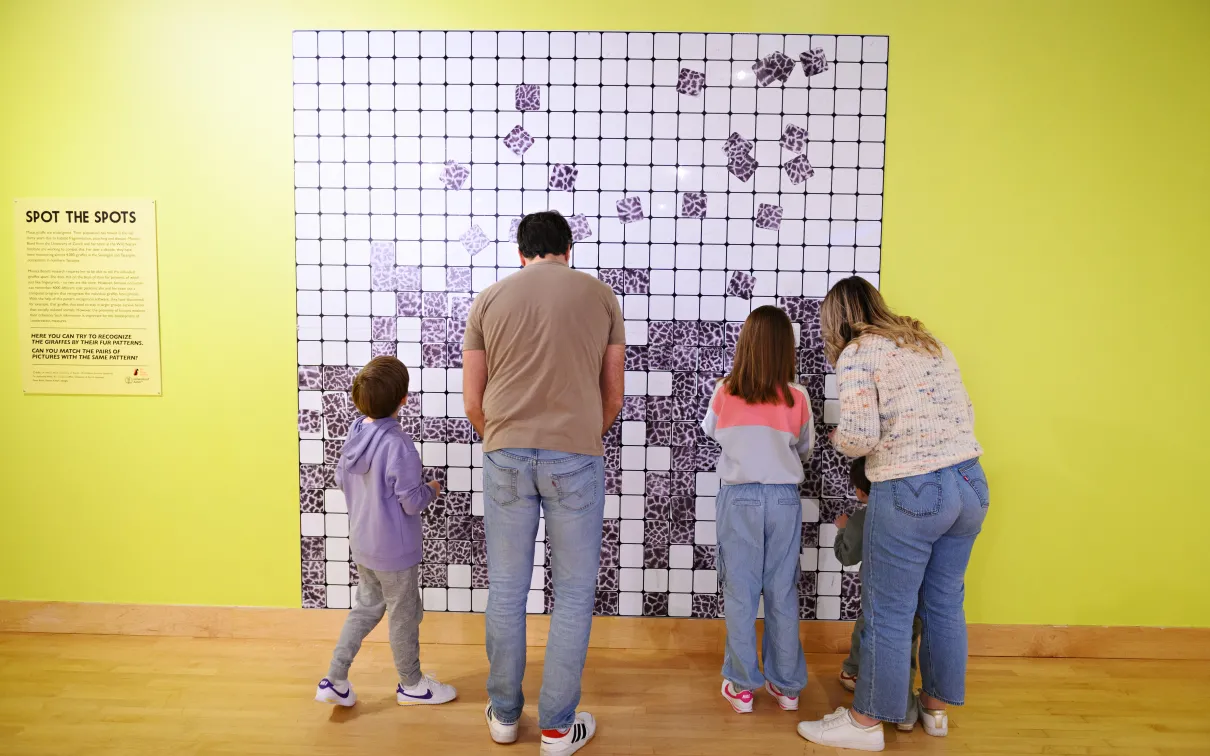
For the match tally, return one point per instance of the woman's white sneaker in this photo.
(935, 721)
(740, 700)
(428, 691)
(787, 703)
(501, 733)
(563, 742)
(840, 731)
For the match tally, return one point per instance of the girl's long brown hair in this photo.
(854, 308)
(764, 359)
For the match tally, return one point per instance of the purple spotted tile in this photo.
(634, 408)
(684, 433)
(768, 216)
(614, 278)
(613, 457)
(455, 330)
(309, 377)
(479, 551)
(683, 509)
(407, 304)
(313, 573)
(659, 357)
(613, 481)
(518, 140)
(458, 279)
(459, 431)
(814, 61)
(703, 556)
(684, 358)
(310, 476)
(432, 331)
(732, 334)
(813, 362)
(434, 355)
(337, 426)
(459, 552)
(382, 277)
(707, 455)
(776, 66)
(637, 281)
(383, 349)
(454, 175)
(528, 97)
(660, 407)
(382, 254)
(337, 403)
(660, 332)
(681, 533)
(513, 225)
(563, 177)
(460, 305)
(382, 328)
(690, 82)
(312, 548)
(794, 138)
(693, 205)
(741, 285)
(457, 503)
(310, 500)
(474, 240)
(411, 408)
(659, 433)
(407, 278)
(711, 333)
(682, 483)
(806, 606)
(743, 166)
(605, 604)
(630, 209)
(685, 332)
(656, 557)
(636, 357)
(705, 606)
(736, 145)
(684, 458)
(799, 170)
(580, 230)
(314, 596)
(658, 484)
(607, 579)
(712, 360)
(411, 426)
(656, 507)
(478, 576)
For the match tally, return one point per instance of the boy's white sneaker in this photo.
(340, 693)
(840, 731)
(787, 703)
(501, 733)
(427, 691)
(740, 700)
(936, 722)
(561, 743)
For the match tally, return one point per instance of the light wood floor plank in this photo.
(135, 696)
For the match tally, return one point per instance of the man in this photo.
(543, 368)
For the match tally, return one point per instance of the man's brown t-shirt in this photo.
(545, 329)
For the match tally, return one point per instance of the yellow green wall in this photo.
(1047, 214)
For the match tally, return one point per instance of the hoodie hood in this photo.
(362, 444)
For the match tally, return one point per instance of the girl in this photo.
(904, 408)
(763, 422)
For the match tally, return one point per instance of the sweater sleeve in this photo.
(406, 478)
(710, 421)
(859, 429)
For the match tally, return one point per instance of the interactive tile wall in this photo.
(703, 174)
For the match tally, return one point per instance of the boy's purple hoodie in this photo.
(383, 482)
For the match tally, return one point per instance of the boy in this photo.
(848, 552)
(382, 479)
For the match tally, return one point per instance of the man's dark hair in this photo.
(857, 476)
(544, 233)
(380, 387)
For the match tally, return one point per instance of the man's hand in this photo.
(842, 521)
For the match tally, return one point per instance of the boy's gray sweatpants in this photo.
(396, 594)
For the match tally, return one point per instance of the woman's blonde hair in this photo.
(854, 308)
(764, 359)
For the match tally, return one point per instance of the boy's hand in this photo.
(436, 488)
(842, 521)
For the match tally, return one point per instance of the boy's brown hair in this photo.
(380, 387)
(858, 477)
(764, 359)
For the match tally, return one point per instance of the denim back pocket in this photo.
(499, 483)
(919, 495)
(578, 489)
(972, 473)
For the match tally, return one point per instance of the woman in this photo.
(904, 408)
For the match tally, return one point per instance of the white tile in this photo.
(631, 604)
(705, 581)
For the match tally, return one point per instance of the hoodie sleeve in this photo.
(406, 477)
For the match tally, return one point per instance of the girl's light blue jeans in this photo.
(759, 542)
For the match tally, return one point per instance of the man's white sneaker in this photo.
(935, 721)
(501, 733)
(740, 700)
(840, 731)
(427, 691)
(340, 694)
(563, 742)
(787, 703)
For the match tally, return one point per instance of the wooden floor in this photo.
(100, 695)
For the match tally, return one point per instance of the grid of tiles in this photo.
(704, 175)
